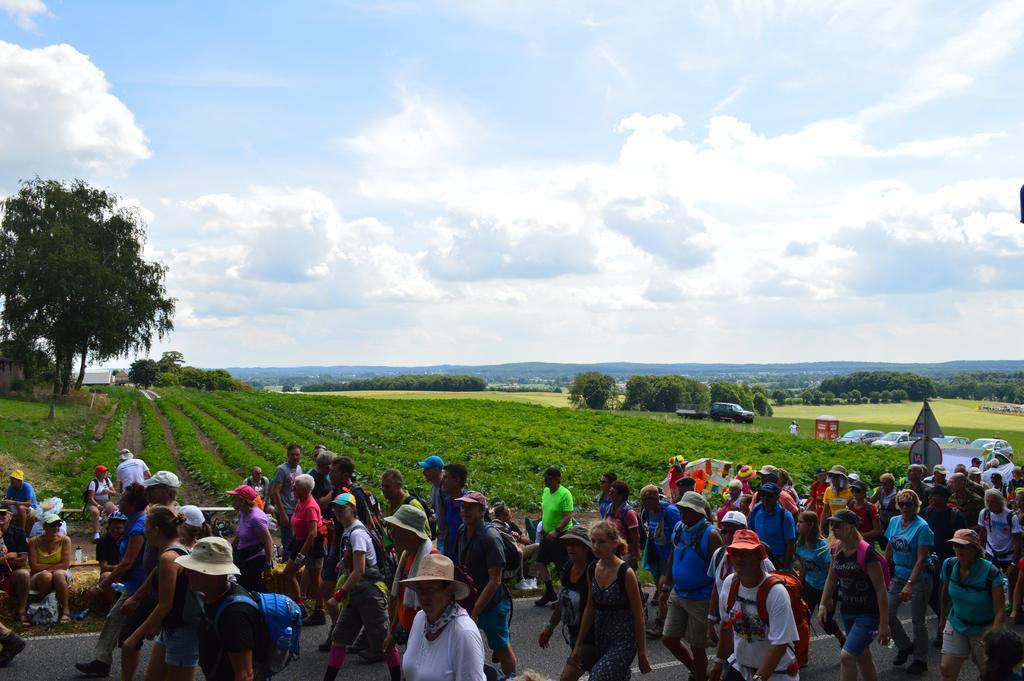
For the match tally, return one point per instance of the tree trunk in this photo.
(65, 371)
(57, 363)
(81, 368)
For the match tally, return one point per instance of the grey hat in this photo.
(166, 478)
(695, 502)
(408, 517)
(580, 534)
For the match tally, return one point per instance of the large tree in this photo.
(593, 390)
(73, 279)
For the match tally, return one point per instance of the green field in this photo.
(546, 399)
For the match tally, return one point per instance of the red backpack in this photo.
(801, 615)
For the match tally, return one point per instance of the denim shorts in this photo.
(494, 624)
(860, 631)
(181, 646)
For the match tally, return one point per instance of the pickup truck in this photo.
(719, 411)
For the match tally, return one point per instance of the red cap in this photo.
(473, 498)
(746, 540)
(246, 492)
(100, 469)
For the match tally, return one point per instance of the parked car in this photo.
(726, 411)
(892, 439)
(994, 445)
(860, 436)
(944, 441)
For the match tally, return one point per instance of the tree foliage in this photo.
(665, 393)
(142, 372)
(868, 382)
(593, 390)
(445, 382)
(73, 278)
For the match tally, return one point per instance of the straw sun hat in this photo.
(435, 567)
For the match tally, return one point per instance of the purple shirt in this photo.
(250, 530)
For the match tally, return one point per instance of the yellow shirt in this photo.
(836, 502)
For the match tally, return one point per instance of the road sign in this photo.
(926, 452)
(926, 425)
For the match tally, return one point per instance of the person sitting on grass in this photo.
(49, 559)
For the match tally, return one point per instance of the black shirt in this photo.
(107, 551)
(16, 540)
(943, 524)
(240, 628)
(573, 597)
(321, 484)
(856, 591)
(479, 553)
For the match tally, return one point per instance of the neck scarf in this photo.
(432, 629)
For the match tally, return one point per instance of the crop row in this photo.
(201, 464)
(506, 445)
(235, 454)
(155, 451)
(104, 451)
(265, 447)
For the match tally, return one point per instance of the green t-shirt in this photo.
(553, 506)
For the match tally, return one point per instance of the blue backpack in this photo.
(279, 614)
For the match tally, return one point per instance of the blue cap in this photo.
(820, 470)
(432, 461)
(769, 488)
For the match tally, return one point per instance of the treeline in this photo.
(998, 387)
(441, 382)
(867, 382)
(594, 390)
(170, 370)
(880, 387)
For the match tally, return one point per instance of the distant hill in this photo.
(788, 375)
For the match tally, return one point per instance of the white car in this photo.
(994, 445)
(892, 439)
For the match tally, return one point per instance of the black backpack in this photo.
(85, 494)
(387, 564)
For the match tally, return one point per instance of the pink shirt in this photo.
(304, 512)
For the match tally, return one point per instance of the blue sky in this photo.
(484, 181)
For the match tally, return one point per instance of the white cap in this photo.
(193, 516)
(125, 455)
(939, 468)
(162, 478)
(733, 518)
(973, 470)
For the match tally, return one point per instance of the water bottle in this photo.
(279, 656)
(78, 554)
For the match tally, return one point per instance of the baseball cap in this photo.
(432, 461)
(940, 469)
(734, 518)
(967, 538)
(165, 478)
(474, 498)
(768, 469)
(769, 488)
(820, 470)
(51, 519)
(193, 516)
(245, 491)
(344, 499)
(845, 515)
(858, 484)
(125, 454)
(100, 469)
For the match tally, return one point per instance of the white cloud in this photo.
(23, 11)
(59, 116)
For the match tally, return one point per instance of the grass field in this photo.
(546, 399)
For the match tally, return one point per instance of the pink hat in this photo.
(246, 492)
(474, 498)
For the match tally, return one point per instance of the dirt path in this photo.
(101, 427)
(193, 492)
(131, 433)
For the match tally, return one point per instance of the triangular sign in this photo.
(926, 425)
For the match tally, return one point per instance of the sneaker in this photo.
(902, 656)
(917, 667)
(532, 582)
(13, 644)
(523, 585)
(94, 668)
(314, 619)
(546, 599)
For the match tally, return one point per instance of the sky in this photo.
(482, 181)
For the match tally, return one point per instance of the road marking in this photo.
(50, 637)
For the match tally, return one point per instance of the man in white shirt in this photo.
(130, 470)
(757, 650)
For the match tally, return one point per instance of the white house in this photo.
(98, 377)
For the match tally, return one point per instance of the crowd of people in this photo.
(424, 584)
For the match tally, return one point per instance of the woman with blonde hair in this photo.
(49, 561)
(614, 610)
(176, 648)
(910, 541)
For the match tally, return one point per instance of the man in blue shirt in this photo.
(774, 525)
(20, 499)
(453, 484)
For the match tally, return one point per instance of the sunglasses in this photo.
(907, 504)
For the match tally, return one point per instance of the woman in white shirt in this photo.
(444, 643)
(99, 498)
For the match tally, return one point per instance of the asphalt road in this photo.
(53, 658)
